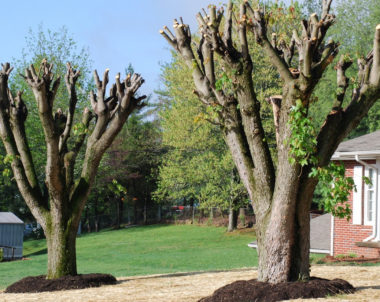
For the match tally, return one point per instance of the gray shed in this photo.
(11, 235)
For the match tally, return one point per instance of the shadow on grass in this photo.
(40, 252)
(131, 228)
(181, 274)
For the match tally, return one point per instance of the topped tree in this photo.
(57, 204)
(281, 195)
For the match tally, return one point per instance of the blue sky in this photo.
(116, 32)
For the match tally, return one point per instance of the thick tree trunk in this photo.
(61, 250)
(284, 255)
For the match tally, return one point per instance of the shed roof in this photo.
(8, 217)
(366, 145)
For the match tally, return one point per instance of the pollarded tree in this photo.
(58, 203)
(281, 196)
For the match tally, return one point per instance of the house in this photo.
(11, 235)
(361, 234)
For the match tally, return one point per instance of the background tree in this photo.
(57, 204)
(281, 196)
(197, 167)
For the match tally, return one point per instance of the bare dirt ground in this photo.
(193, 286)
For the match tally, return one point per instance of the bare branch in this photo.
(259, 28)
(242, 29)
(228, 25)
(326, 4)
(13, 111)
(375, 72)
(344, 63)
(70, 79)
(276, 100)
(44, 94)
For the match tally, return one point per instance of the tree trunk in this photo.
(96, 224)
(61, 250)
(232, 217)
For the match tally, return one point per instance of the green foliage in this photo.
(224, 82)
(303, 139)
(79, 129)
(198, 167)
(334, 187)
(1, 254)
(117, 188)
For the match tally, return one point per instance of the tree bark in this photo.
(232, 218)
(61, 241)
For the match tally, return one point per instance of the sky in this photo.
(115, 32)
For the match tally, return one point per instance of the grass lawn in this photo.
(143, 250)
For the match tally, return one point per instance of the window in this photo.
(370, 196)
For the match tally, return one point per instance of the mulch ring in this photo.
(350, 259)
(253, 290)
(41, 284)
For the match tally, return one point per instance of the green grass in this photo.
(143, 250)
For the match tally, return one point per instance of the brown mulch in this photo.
(358, 260)
(41, 284)
(253, 290)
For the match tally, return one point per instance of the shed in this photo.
(11, 235)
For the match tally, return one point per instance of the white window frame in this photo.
(367, 189)
(357, 200)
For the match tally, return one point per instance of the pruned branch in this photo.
(70, 157)
(275, 101)
(70, 79)
(182, 44)
(117, 107)
(259, 27)
(242, 30)
(44, 88)
(375, 72)
(228, 25)
(18, 114)
(340, 122)
(342, 81)
(12, 110)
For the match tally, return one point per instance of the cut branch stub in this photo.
(18, 107)
(121, 93)
(72, 75)
(42, 84)
(4, 92)
(342, 81)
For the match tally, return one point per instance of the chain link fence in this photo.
(165, 214)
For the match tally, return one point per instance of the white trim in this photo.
(357, 200)
(376, 168)
(351, 155)
(319, 251)
(368, 188)
(376, 211)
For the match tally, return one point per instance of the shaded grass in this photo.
(143, 250)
